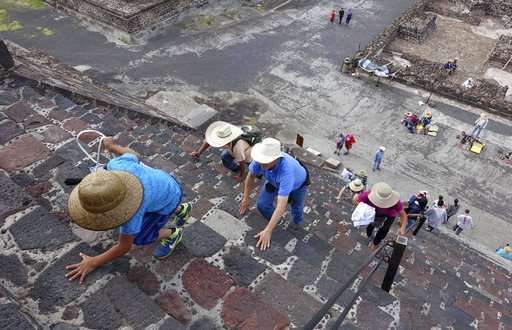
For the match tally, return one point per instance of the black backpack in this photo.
(251, 135)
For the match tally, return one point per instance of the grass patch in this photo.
(6, 25)
(46, 31)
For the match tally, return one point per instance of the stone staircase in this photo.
(216, 278)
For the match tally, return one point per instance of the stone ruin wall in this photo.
(132, 24)
(473, 9)
(418, 28)
(502, 53)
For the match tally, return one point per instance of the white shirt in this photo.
(465, 221)
(482, 122)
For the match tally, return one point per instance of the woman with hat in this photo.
(387, 206)
(285, 179)
(131, 196)
(237, 151)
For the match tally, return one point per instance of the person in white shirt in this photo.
(464, 222)
(480, 124)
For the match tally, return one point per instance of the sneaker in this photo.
(167, 245)
(181, 218)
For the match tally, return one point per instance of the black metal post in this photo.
(398, 250)
(421, 221)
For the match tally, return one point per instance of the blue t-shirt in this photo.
(287, 175)
(162, 193)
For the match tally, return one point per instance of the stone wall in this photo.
(132, 23)
(502, 53)
(418, 28)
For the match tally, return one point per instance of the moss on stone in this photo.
(6, 24)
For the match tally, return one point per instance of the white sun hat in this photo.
(383, 196)
(266, 151)
(220, 133)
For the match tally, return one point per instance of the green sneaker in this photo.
(167, 245)
(181, 218)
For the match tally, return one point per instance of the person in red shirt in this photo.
(388, 207)
(350, 139)
(333, 15)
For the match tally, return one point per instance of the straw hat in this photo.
(105, 200)
(361, 173)
(356, 185)
(383, 196)
(220, 133)
(428, 114)
(266, 151)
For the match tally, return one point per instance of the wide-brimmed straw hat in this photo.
(266, 151)
(356, 185)
(105, 200)
(220, 133)
(383, 196)
(361, 173)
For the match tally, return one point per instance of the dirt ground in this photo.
(452, 39)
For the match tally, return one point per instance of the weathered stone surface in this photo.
(19, 111)
(242, 310)
(171, 303)
(33, 121)
(239, 264)
(46, 166)
(12, 197)
(52, 289)
(70, 151)
(302, 273)
(64, 326)
(75, 125)
(7, 98)
(13, 270)
(71, 312)
(171, 323)
(205, 283)
(204, 323)
(63, 102)
(275, 254)
(168, 267)
(144, 279)
(55, 134)
(69, 170)
(119, 303)
(287, 298)
(13, 319)
(22, 152)
(41, 230)
(226, 224)
(202, 241)
(38, 189)
(8, 130)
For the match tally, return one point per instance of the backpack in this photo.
(251, 135)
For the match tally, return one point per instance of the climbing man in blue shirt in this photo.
(285, 178)
(378, 158)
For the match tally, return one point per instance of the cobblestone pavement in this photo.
(216, 278)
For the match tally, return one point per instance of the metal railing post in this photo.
(421, 221)
(398, 250)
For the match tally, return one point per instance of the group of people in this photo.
(146, 203)
(341, 13)
(450, 66)
(413, 123)
(346, 141)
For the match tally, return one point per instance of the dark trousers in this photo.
(457, 229)
(383, 230)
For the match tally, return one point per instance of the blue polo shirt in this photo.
(288, 175)
(162, 193)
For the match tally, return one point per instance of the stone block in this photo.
(205, 323)
(243, 310)
(171, 302)
(144, 279)
(63, 102)
(332, 163)
(12, 197)
(75, 125)
(69, 170)
(287, 298)
(202, 241)
(302, 273)
(38, 189)
(59, 114)
(182, 108)
(120, 303)
(22, 153)
(7, 97)
(169, 267)
(19, 111)
(241, 266)
(205, 283)
(52, 289)
(45, 103)
(13, 318)
(13, 270)
(55, 134)
(46, 166)
(8, 130)
(71, 151)
(313, 151)
(226, 224)
(171, 323)
(33, 121)
(41, 230)
(91, 118)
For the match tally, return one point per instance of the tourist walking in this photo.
(436, 216)
(377, 159)
(464, 221)
(285, 179)
(480, 125)
(452, 209)
(333, 15)
(350, 139)
(340, 140)
(341, 13)
(388, 207)
(131, 196)
(349, 16)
